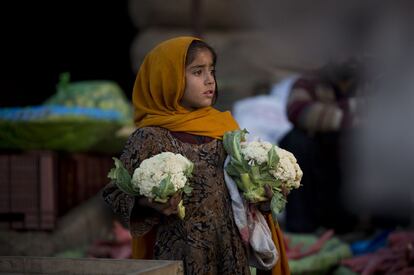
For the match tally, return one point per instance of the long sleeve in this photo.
(142, 144)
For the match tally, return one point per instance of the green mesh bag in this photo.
(48, 127)
(102, 94)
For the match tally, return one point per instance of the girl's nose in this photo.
(209, 79)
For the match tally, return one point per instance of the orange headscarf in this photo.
(159, 87)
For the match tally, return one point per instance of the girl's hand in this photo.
(265, 205)
(168, 208)
(285, 192)
(268, 191)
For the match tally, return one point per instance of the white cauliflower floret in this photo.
(255, 151)
(287, 170)
(153, 170)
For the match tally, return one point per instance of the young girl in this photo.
(172, 96)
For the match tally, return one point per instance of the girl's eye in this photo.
(198, 72)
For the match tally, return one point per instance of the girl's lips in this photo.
(209, 93)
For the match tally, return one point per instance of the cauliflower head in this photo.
(288, 170)
(153, 170)
(255, 151)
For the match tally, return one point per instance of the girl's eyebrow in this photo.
(201, 66)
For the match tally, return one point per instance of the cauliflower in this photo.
(255, 151)
(287, 170)
(255, 164)
(154, 170)
(157, 178)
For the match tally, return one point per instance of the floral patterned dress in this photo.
(207, 240)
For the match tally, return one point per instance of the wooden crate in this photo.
(28, 191)
(39, 265)
(80, 176)
(38, 187)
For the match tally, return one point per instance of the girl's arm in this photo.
(142, 144)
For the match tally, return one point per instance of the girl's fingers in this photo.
(170, 210)
(165, 208)
(175, 200)
(268, 190)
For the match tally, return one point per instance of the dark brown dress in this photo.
(207, 240)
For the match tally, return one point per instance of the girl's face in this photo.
(200, 86)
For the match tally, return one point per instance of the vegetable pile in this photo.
(396, 258)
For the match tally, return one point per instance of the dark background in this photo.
(41, 39)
